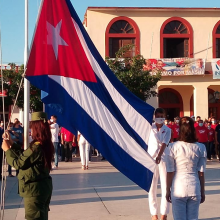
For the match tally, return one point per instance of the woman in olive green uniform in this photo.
(34, 165)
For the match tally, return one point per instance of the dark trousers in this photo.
(36, 208)
(68, 150)
(62, 153)
(211, 146)
(1, 155)
(218, 148)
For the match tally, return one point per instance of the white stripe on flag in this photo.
(103, 117)
(134, 119)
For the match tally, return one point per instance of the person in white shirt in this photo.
(54, 128)
(84, 148)
(160, 136)
(186, 163)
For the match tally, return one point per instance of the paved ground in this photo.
(102, 193)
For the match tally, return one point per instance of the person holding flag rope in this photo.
(34, 165)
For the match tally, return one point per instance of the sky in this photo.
(12, 19)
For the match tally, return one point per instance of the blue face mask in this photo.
(200, 124)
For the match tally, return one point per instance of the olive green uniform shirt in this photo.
(34, 178)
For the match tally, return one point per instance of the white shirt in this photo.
(54, 128)
(186, 159)
(157, 138)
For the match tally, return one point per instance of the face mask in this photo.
(159, 120)
(2, 124)
(209, 127)
(213, 122)
(200, 124)
(51, 120)
(165, 122)
(177, 121)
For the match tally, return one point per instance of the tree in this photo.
(130, 72)
(11, 83)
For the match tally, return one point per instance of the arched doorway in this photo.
(120, 32)
(214, 108)
(171, 101)
(176, 38)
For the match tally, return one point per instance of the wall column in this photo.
(201, 102)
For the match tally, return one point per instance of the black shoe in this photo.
(103, 158)
(66, 160)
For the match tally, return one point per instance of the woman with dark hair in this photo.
(34, 165)
(186, 164)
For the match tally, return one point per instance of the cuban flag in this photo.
(86, 95)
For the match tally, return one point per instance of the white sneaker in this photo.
(54, 167)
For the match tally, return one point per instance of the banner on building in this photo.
(216, 68)
(176, 66)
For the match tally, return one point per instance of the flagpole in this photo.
(26, 83)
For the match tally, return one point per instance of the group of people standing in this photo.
(181, 163)
(66, 143)
(207, 132)
(17, 134)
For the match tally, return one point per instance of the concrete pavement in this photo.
(102, 193)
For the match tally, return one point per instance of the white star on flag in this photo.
(54, 38)
(154, 65)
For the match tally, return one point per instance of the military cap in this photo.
(36, 116)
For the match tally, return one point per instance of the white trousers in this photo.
(84, 148)
(161, 172)
(186, 208)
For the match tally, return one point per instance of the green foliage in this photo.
(130, 72)
(11, 83)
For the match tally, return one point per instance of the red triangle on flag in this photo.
(56, 48)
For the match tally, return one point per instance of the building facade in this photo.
(165, 33)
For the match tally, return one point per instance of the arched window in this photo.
(216, 41)
(171, 101)
(176, 38)
(122, 31)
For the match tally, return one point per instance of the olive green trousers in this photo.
(36, 208)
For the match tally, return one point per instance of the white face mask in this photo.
(166, 123)
(177, 121)
(2, 124)
(159, 120)
(51, 120)
(200, 124)
(213, 122)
